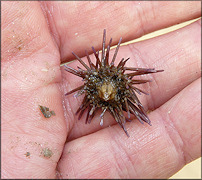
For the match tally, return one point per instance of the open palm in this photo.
(38, 36)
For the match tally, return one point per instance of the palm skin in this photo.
(38, 36)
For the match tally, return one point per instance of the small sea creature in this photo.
(46, 112)
(109, 87)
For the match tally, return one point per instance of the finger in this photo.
(30, 73)
(156, 151)
(77, 25)
(177, 53)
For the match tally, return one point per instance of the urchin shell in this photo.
(109, 87)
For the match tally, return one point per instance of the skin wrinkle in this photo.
(141, 15)
(74, 174)
(67, 116)
(111, 149)
(180, 155)
(169, 118)
(118, 167)
(59, 39)
(10, 24)
(17, 104)
(151, 99)
(153, 10)
(129, 160)
(9, 10)
(69, 113)
(188, 155)
(49, 18)
(17, 15)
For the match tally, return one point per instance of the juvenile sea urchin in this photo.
(108, 87)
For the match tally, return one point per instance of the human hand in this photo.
(38, 37)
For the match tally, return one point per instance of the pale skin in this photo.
(38, 37)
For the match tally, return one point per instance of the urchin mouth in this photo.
(107, 91)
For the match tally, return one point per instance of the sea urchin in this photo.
(108, 87)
